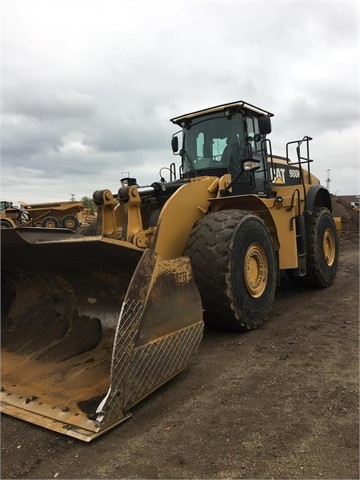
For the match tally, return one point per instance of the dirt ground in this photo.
(278, 402)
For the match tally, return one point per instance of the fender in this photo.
(317, 196)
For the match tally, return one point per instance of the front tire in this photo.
(234, 266)
(6, 224)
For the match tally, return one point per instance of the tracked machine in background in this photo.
(93, 324)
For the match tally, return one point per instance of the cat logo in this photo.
(279, 175)
(181, 277)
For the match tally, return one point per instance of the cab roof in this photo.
(240, 104)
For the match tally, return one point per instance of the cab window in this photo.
(252, 128)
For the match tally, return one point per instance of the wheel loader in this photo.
(92, 323)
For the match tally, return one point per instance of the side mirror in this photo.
(264, 125)
(175, 144)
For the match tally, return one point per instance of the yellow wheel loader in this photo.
(92, 324)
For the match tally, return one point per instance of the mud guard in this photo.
(317, 196)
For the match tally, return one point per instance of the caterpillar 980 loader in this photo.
(94, 323)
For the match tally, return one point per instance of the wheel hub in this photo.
(70, 224)
(329, 247)
(255, 270)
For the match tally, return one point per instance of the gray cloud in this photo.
(89, 88)
(47, 102)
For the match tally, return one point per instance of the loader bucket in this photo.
(90, 326)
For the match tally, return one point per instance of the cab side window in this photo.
(252, 128)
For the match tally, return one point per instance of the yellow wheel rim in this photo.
(70, 224)
(329, 247)
(255, 270)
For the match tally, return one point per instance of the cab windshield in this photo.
(210, 142)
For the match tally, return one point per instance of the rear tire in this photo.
(70, 222)
(322, 249)
(50, 222)
(234, 267)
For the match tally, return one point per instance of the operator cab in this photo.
(229, 138)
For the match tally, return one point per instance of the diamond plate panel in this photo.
(157, 362)
(113, 405)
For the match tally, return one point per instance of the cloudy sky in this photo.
(88, 87)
